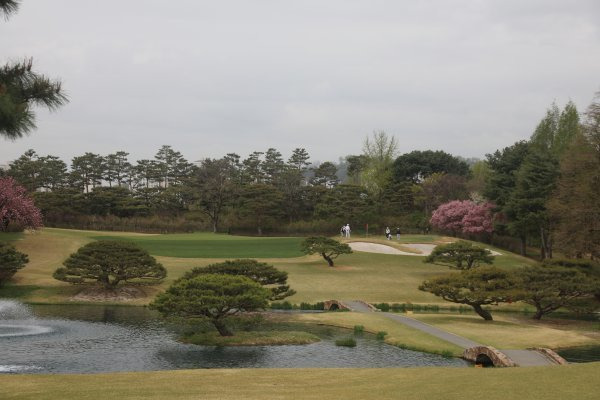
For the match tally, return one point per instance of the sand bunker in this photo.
(424, 249)
(380, 248)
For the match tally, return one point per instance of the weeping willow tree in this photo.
(21, 88)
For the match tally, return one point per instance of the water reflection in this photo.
(87, 339)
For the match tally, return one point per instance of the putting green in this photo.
(209, 245)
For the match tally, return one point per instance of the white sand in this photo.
(379, 248)
(423, 248)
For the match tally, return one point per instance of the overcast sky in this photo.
(211, 77)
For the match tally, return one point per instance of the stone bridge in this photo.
(488, 356)
(334, 305)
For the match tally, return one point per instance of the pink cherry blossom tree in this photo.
(17, 207)
(463, 216)
(479, 219)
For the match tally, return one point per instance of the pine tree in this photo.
(21, 89)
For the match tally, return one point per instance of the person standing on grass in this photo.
(347, 230)
(397, 233)
(343, 231)
(388, 233)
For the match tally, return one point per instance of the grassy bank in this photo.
(517, 332)
(549, 383)
(397, 334)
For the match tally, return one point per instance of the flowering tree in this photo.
(479, 219)
(463, 216)
(17, 207)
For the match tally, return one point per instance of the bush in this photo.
(381, 335)
(328, 248)
(461, 255)
(385, 307)
(215, 297)
(261, 273)
(359, 329)
(110, 262)
(346, 342)
(317, 306)
(446, 353)
(11, 261)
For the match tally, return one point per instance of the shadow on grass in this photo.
(18, 292)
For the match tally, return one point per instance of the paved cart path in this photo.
(523, 358)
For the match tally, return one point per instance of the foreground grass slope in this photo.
(549, 383)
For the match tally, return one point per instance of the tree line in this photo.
(543, 192)
(547, 190)
(263, 190)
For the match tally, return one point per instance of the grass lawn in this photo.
(509, 331)
(578, 382)
(397, 334)
(366, 276)
(210, 245)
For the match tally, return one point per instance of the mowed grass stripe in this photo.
(537, 383)
(214, 246)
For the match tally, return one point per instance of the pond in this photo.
(91, 339)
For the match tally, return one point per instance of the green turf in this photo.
(10, 236)
(207, 245)
(578, 382)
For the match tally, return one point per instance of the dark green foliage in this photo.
(346, 342)
(347, 204)
(381, 335)
(526, 207)
(356, 165)
(317, 306)
(9, 7)
(286, 305)
(110, 263)
(259, 272)
(325, 175)
(503, 166)
(214, 188)
(550, 287)
(385, 307)
(20, 89)
(586, 266)
(34, 172)
(260, 202)
(359, 329)
(418, 165)
(212, 296)
(574, 206)
(11, 261)
(328, 248)
(460, 255)
(475, 287)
